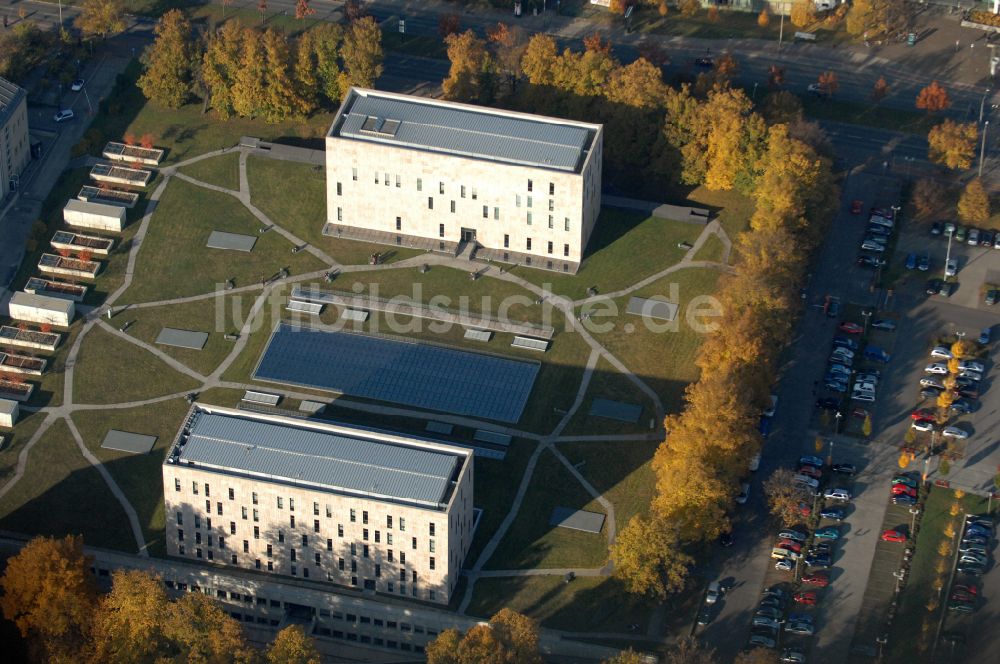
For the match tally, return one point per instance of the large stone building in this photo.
(375, 511)
(15, 148)
(436, 175)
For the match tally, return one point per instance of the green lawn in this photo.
(882, 117)
(625, 247)
(218, 316)
(187, 132)
(25, 427)
(584, 604)
(620, 470)
(175, 261)
(222, 171)
(609, 383)
(918, 590)
(49, 386)
(425, 46)
(664, 360)
(495, 486)
(138, 475)
(732, 209)
(301, 208)
(263, 323)
(711, 250)
(61, 494)
(112, 370)
(532, 543)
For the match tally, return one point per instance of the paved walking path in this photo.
(263, 292)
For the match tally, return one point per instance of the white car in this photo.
(955, 432)
(837, 494)
(769, 412)
(951, 267)
(867, 397)
(754, 462)
(922, 426)
(868, 245)
(744, 493)
(936, 368)
(77, 85)
(842, 352)
(941, 352)
(971, 365)
(714, 592)
(63, 115)
(880, 221)
(971, 375)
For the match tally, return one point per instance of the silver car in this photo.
(971, 365)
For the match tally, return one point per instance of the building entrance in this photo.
(468, 235)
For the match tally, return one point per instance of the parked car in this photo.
(851, 328)
(811, 460)
(973, 240)
(923, 415)
(936, 368)
(992, 296)
(784, 565)
(961, 406)
(879, 231)
(971, 365)
(792, 656)
(866, 397)
(790, 545)
(936, 228)
(970, 557)
(888, 213)
(800, 627)
(984, 336)
(844, 468)
(744, 494)
(911, 261)
(806, 597)
(924, 262)
(830, 532)
(949, 229)
(805, 480)
(793, 534)
(986, 239)
(762, 640)
(905, 480)
(941, 352)
(922, 426)
(876, 354)
(955, 432)
(893, 536)
(933, 286)
(930, 381)
(836, 386)
(930, 393)
(819, 562)
(771, 612)
(886, 324)
(951, 267)
(63, 115)
(870, 261)
(77, 85)
(764, 621)
(961, 607)
(837, 493)
(960, 233)
(971, 375)
(903, 499)
(811, 471)
(947, 289)
(818, 579)
(971, 569)
(778, 554)
(714, 593)
(903, 490)
(980, 521)
(869, 244)
(834, 513)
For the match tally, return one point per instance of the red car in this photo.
(808, 598)
(789, 545)
(805, 510)
(893, 536)
(851, 328)
(903, 490)
(922, 415)
(818, 579)
(856, 206)
(969, 588)
(811, 472)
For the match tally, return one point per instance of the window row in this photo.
(387, 180)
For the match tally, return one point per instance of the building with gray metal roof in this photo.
(433, 174)
(319, 500)
(15, 147)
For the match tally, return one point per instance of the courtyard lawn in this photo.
(293, 195)
(263, 323)
(49, 386)
(625, 247)
(138, 475)
(662, 354)
(186, 132)
(711, 250)
(25, 427)
(175, 261)
(60, 493)
(585, 604)
(112, 370)
(609, 383)
(732, 209)
(219, 315)
(532, 543)
(495, 486)
(222, 171)
(620, 470)
(881, 117)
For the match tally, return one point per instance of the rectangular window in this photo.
(378, 571)
(256, 532)
(402, 557)
(462, 194)
(231, 494)
(378, 537)
(506, 241)
(291, 520)
(194, 488)
(388, 539)
(177, 484)
(399, 223)
(529, 244)
(565, 250)
(315, 509)
(208, 506)
(329, 544)
(243, 511)
(496, 214)
(340, 564)
(432, 562)
(180, 535)
(197, 552)
(566, 224)
(256, 514)
(414, 541)
(399, 182)
(354, 174)
(354, 516)
(292, 554)
(315, 525)
(431, 528)
(441, 187)
(453, 207)
(475, 195)
(211, 556)
(329, 512)
(388, 521)
(402, 575)
(552, 189)
(431, 547)
(364, 517)
(530, 184)
(413, 576)
(305, 541)
(402, 523)
(270, 565)
(210, 540)
(420, 184)
(256, 563)
(180, 549)
(291, 504)
(246, 546)
(486, 212)
(340, 530)
(364, 550)
(529, 218)
(270, 551)
(376, 177)
(208, 491)
(517, 200)
(253, 497)
(440, 230)
(550, 246)
(232, 527)
(235, 560)
(390, 555)
(281, 536)
(340, 191)
(340, 214)
(529, 201)
(552, 205)
(386, 179)
(222, 542)
(316, 558)
(430, 202)
(180, 519)
(364, 534)
(354, 549)
(551, 222)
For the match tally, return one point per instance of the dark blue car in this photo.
(876, 354)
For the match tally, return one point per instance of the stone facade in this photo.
(368, 544)
(436, 201)
(15, 147)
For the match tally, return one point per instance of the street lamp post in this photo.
(982, 104)
(829, 456)
(866, 315)
(913, 519)
(838, 416)
(947, 256)
(982, 149)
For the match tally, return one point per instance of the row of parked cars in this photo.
(966, 389)
(971, 236)
(881, 225)
(840, 368)
(973, 561)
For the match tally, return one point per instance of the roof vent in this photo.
(371, 124)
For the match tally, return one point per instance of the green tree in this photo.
(101, 18)
(220, 65)
(49, 594)
(169, 62)
(327, 39)
(974, 203)
(648, 559)
(292, 646)
(306, 81)
(281, 97)
(952, 144)
(362, 53)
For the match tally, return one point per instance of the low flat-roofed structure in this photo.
(353, 486)
(8, 413)
(42, 309)
(85, 214)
